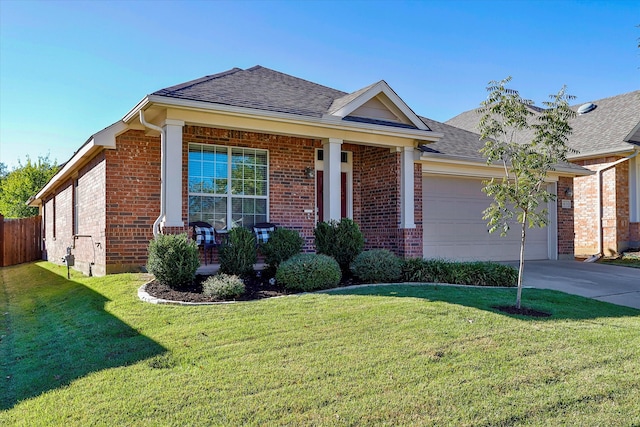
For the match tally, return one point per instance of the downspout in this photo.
(600, 212)
(156, 223)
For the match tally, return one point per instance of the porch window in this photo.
(228, 185)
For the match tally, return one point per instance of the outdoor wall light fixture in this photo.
(308, 172)
(568, 192)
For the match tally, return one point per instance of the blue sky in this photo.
(69, 69)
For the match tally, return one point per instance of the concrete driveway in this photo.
(614, 284)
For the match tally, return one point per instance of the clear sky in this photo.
(69, 69)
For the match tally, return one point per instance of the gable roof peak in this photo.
(376, 93)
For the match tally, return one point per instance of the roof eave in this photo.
(620, 151)
(327, 122)
(473, 161)
(99, 141)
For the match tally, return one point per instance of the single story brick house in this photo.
(248, 146)
(606, 140)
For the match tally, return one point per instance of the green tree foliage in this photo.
(341, 240)
(528, 146)
(23, 182)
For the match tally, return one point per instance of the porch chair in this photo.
(205, 235)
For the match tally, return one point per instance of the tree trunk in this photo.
(521, 268)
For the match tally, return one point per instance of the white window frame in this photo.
(229, 195)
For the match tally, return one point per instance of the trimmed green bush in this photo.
(341, 240)
(173, 259)
(430, 270)
(238, 253)
(480, 273)
(223, 286)
(309, 272)
(484, 274)
(282, 245)
(377, 266)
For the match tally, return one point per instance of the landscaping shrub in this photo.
(173, 259)
(282, 245)
(484, 274)
(461, 273)
(223, 286)
(238, 253)
(309, 272)
(341, 240)
(377, 266)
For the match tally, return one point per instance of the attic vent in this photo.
(585, 108)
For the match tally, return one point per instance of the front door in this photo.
(319, 194)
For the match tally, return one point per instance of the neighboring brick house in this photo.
(607, 203)
(248, 146)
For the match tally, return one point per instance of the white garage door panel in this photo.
(454, 228)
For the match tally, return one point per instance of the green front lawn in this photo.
(88, 352)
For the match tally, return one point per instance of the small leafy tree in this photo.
(529, 146)
(24, 181)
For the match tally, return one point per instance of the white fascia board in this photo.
(372, 92)
(106, 138)
(133, 113)
(466, 166)
(621, 151)
(326, 122)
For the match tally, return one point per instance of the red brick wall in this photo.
(89, 249)
(379, 179)
(634, 234)
(566, 232)
(376, 185)
(615, 207)
(119, 196)
(133, 199)
(48, 233)
(59, 234)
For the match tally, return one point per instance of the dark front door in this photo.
(319, 194)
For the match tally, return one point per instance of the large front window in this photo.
(227, 185)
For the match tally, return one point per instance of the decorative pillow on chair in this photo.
(205, 235)
(262, 234)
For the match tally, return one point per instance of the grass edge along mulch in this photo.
(385, 355)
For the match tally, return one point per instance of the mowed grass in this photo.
(86, 351)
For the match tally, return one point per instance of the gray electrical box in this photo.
(69, 259)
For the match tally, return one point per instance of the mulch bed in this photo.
(257, 286)
(523, 311)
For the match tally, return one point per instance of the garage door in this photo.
(454, 228)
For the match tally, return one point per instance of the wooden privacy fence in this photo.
(20, 240)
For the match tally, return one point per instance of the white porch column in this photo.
(331, 179)
(173, 178)
(407, 189)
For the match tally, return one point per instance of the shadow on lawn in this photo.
(56, 331)
(559, 304)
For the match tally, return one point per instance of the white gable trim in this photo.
(106, 138)
(372, 92)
